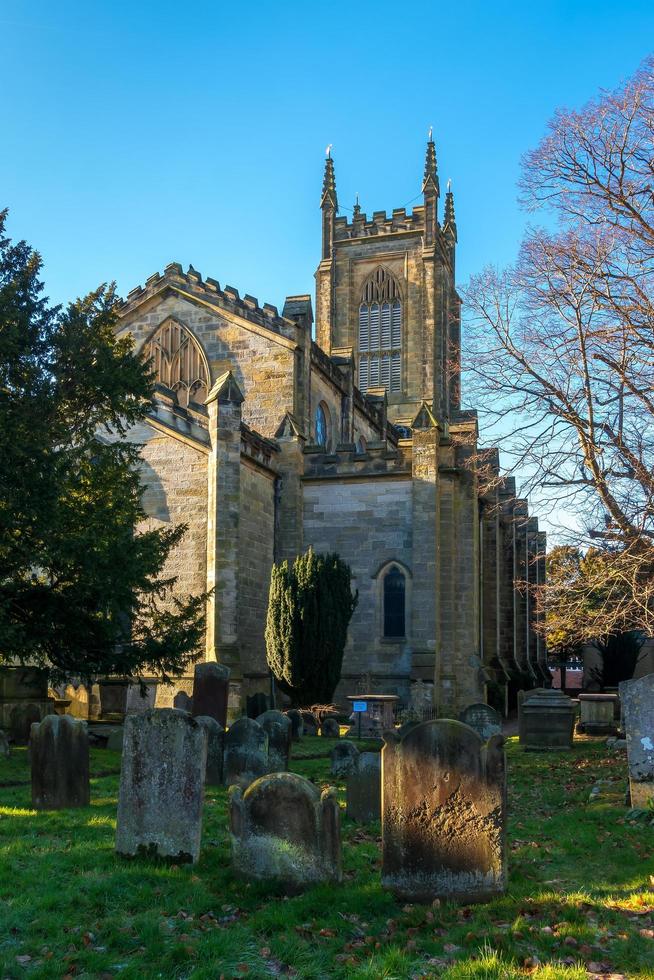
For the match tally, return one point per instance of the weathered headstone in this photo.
(211, 691)
(183, 702)
(637, 697)
(256, 704)
(285, 831)
(485, 720)
(548, 719)
(115, 739)
(141, 697)
(443, 814)
(278, 728)
(309, 722)
(364, 789)
(246, 753)
(59, 757)
(330, 728)
(597, 714)
(345, 757)
(161, 785)
(113, 697)
(23, 700)
(79, 701)
(215, 750)
(5, 750)
(297, 724)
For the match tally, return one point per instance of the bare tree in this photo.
(561, 346)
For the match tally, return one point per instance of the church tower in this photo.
(385, 295)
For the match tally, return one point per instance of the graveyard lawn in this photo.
(580, 901)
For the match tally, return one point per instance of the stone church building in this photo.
(266, 441)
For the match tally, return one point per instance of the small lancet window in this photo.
(394, 603)
(322, 428)
(178, 363)
(380, 334)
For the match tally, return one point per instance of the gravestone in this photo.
(246, 753)
(309, 722)
(548, 718)
(330, 728)
(256, 704)
(140, 699)
(115, 739)
(79, 701)
(637, 697)
(23, 700)
(113, 697)
(211, 691)
(485, 720)
(443, 814)
(285, 831)
(345, 757)
(215, 750)
(183, 702)
(278, 728)
(5, 750)
(364, 789)
(161, 786)
(59, 757)
(297, 724)
(597, 714)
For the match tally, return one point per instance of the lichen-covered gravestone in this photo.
(330, 728)
(278, 728)
(215, 750)
(246, 753)
(637, 697)
(443, 814)
(485, 720)
(345, 758)
(211, 691)
(285, 831)
(364, 789)
(297, 724)
(59, 756)
(162, 786)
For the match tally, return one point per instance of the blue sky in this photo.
(134, 134)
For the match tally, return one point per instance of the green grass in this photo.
(579, 892)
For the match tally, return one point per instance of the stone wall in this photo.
(256, 539)
(368, 523)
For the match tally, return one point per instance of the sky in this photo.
(133, 134)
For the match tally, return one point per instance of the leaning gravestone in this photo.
(637, 697)
(364, 789)
(161, 786)
(215, 750)
(330, 728)
(443, 814)
(285, 831)
(246, 753)
(59, 756)
(485, 720)
(345, 757)
(211, 691)
(279, 731)
(297, 729)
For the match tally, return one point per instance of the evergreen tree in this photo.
(80, 588)
(309, 610)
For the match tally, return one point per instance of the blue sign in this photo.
(360, 706)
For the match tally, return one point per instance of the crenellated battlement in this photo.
(399, 222)
(209, 290)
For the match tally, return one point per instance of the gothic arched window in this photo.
(394, 602)
(380, 334)
(322, 426)
(178, 362)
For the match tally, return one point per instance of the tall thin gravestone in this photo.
(59, 756)
(215, 750)
(211, 691)
(443, 814)
(161, 785)
(637, 697)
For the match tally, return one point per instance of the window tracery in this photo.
(178, 362)
(380, 333)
